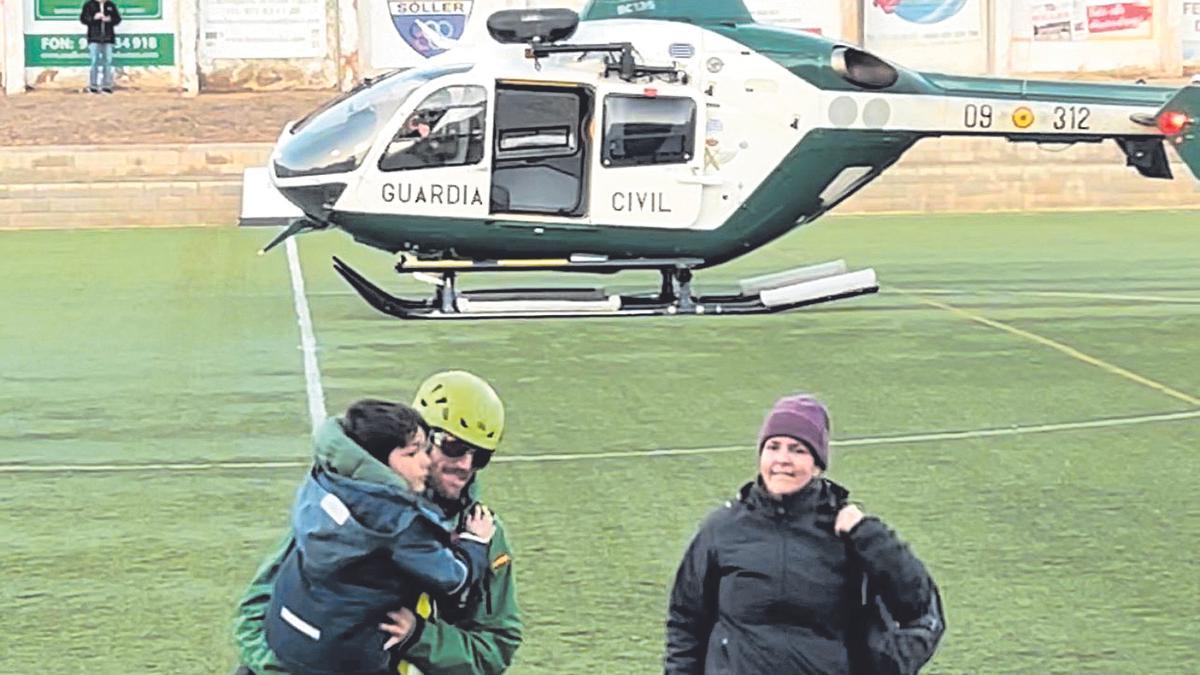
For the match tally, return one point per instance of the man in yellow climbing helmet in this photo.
(476, 635)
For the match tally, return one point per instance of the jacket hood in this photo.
(334, 452)
(351, 504)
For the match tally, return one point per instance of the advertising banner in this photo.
(1191, 31)
(1084, 35)
(65, 51)
(939, 35)
(926, 21)
(54, 38)
(68, 10)
(1078, 20)
(263, 29)
(823, 17)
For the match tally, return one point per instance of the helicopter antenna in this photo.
(544, 32)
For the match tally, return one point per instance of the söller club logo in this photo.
(430, 26)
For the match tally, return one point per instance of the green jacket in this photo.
(479, 639)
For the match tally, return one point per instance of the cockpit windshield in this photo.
(336, 137)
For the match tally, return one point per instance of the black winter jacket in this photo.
(100, 31)
(767, 587)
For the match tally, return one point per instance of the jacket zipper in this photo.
(487, 591)
(782, 555)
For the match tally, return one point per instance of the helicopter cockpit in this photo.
(336, 137)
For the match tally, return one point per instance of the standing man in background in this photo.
(100, 17)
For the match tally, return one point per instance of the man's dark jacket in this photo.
(100, 31)
(766, 586)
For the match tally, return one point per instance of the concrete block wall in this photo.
(164, 185)
(990, 174)
(123, 186)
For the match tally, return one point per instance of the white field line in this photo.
(308, 341)
(1081, 295)
(1059, 346)
(933, 436)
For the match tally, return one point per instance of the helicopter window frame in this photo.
(339, 135)
(685, 131)
(846, 183)
(536, 141)
(417, 143)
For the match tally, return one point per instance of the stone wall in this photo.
(989, 174)
(121, 186)
(168, 185)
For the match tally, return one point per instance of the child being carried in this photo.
(367, 542)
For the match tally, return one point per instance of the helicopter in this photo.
(661, 135)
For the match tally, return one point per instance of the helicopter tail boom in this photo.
(1140, 119)
(1178, 121)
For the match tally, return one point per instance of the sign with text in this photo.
(1191, 31)
(68, 10)
(924, 21)
(263, 29)
(1062, 36)
(823, 17)
(404, 33)
(941, 35)
(131, 49)
(1054, 21)
(1075, 20)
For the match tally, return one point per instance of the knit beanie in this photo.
(803, 418)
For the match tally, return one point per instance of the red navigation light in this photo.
(1172, 122)
(650, 91)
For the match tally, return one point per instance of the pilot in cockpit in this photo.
(419, 125)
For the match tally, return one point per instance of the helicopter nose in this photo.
(315, 201)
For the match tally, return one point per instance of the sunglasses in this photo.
(454, 448)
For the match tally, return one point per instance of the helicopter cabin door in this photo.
(541, 149)
(648, 173)
(435, 164)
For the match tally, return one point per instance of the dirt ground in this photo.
(69, 118)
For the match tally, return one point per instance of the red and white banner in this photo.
(1118, 17)
(1075, 20)
(1084, 35)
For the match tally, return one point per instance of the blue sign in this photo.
(430, 27)
(922, 11)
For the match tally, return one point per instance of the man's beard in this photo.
(450, 504)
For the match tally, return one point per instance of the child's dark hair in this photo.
(381, 426)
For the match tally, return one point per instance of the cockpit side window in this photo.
(337, 136)
(446, 129)
(648, 130)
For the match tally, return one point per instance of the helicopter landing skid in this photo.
(768, 294)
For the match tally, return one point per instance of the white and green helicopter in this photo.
(666, 135)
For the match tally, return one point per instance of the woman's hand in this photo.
(481, 522)
(404, 620)
(847, 518)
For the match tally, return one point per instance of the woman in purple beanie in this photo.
(773, 582)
